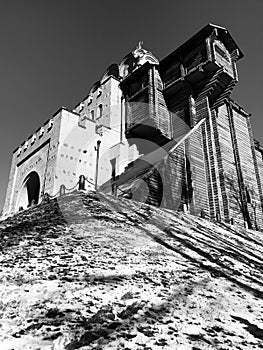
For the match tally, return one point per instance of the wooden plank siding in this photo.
(179, 119)
(247, 166)
(209, 175)
(197, 162)
(173, 175)
(137, 109)
(162, 114)
(259, 158)
(216, 205)
(227, 171)
(195, 57)
(172, 73)
(164, 183)
(257, 171)
(219, 169)
(216, 170)
(223, 57)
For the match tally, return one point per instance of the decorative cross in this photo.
(139, 46)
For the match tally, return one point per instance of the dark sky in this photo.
(52, 51)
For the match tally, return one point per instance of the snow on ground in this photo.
(93, 272)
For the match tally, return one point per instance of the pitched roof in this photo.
(205, 32)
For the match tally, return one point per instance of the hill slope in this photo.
(89, 271)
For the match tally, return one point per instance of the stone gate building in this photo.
(162, 132)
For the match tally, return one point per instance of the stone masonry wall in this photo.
(38, 153)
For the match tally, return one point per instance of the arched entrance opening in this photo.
(29, 194)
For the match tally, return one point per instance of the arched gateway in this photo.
(29, 194)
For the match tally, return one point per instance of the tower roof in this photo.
(135, 59)
(221, 33)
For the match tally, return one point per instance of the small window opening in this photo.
(100, 111)
(113, 175)
(248, 196)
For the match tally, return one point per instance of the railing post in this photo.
(97, 149)
(62, 190)
(114, 190)
(82, 183)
